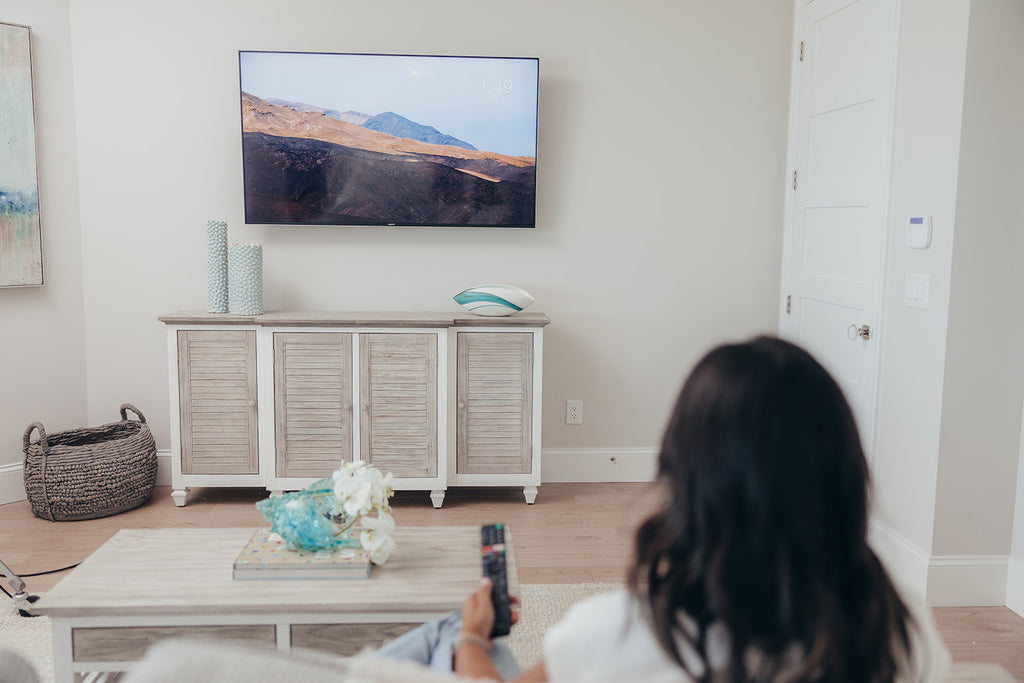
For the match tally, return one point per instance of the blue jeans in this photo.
(432, 645)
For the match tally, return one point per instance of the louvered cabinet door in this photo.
(494, 403)
(398, 396)
(313, 402)
(217, 401)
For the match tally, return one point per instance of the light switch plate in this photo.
(915, 290)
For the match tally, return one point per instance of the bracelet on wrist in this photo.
(474, 639)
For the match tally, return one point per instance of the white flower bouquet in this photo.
(328, 513)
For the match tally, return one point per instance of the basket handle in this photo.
(128, 406)
(42, 436)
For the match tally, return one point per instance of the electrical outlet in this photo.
(573, 412)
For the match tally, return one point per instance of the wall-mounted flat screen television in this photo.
(366, 139)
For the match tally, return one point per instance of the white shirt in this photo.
(606, 638)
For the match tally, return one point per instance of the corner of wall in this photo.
(1015, 586)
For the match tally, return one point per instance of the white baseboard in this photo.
(560, 465)
(945, 580)
(967, 580)
(571, 465)
(12, 479)
(906, 562)
(1015, 586)
(12, 483)
(163, 468)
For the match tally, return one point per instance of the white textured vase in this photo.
(245, 279)
(217, 266)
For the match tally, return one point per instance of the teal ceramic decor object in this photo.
(494, 300)
(217, 266)
(245, 279)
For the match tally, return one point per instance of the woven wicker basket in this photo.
(90, 472)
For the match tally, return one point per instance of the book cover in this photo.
(267, 556)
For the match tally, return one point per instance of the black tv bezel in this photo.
(536, 140)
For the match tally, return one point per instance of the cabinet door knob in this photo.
(461, 405)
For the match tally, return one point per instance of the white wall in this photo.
(42, 351)
(928, 101)
(662, 135)
(948, 442)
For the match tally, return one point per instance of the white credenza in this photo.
(280, 400)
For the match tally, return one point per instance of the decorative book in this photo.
(266, 556)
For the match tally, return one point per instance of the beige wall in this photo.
(981, 408)
(662, 134)
(42, 350)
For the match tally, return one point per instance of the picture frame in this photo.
(21, 263)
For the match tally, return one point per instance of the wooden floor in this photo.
(574, 533)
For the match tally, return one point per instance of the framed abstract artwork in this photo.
(21, 263)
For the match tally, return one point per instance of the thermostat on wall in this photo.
(919, 231)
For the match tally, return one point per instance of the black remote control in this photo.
(492, 541)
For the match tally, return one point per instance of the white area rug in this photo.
(542, 605)
(31, 636)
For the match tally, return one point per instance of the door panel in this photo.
(495, 403)
(398, 416)
(217, 402)
(313, 402)
(837, 215)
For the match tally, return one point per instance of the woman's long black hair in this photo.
(765, 526)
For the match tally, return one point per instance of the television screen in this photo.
(360, 139)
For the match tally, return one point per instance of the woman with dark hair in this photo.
(757, 566)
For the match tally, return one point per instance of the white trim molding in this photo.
(1015, 586)
(945, 580)
(572, 465)
(967, 580)
(12, 483)
(12, 478)
(163, 468)
(905, 561)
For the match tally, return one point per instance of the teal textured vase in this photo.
(217, 266)
(245, 279)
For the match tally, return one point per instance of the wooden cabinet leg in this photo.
(180, 496)
(437, 498)
(531, 494)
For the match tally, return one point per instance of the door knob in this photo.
(855, 333)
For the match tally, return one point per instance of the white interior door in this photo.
(840, 158)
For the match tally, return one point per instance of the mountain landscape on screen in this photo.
(307, 164)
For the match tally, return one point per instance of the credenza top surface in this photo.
(356, 319)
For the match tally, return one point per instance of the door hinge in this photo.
(794, 180)
(800, 55)
(789, 304)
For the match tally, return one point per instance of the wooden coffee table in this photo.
(145, 585)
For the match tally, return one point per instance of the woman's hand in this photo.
(478, 611)
(472, 656)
